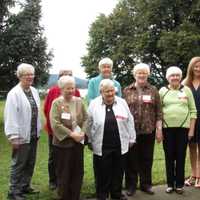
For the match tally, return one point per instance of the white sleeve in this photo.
(11, 116)
(89, 122)
(131, 125)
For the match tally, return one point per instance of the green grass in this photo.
(40, 178)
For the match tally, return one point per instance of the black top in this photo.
(196, 94)
(34, 113)
(111, 133)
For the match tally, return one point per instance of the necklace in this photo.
(108, 108)
(27, 90)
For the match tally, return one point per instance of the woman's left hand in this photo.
(77, 136)
(159, 135)
(190, 135)
(131, 144)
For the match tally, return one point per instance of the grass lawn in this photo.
(40, 178)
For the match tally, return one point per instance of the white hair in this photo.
(64, 80)
(141, 66)
(65, 72)
(24, 68)
(105, 61)
(173, 70)
(106, 83)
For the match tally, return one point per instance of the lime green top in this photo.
(178, 107)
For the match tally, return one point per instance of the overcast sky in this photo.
(66, 25)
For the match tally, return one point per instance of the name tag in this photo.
(146, 98)
(66, 116)
(182, 95)
(120, 117)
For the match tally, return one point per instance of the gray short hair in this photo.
(106, 83)
(63, 80)
(173, 70)
(105, 61)
(65, 72)
(141, 66)
(23, 68)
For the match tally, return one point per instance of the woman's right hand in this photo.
(90, 146)
(159, 135)
(15, 143)
(77, 136)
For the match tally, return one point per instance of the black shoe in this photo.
(123, 197)
(30, 191)
(179, 190)
(130, 192)
(148, 190)
(15, 196)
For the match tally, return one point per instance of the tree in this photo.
(23, 41)
(108, 37)
(168, 34)
(96, 45)
(160, 33)
(4, 11)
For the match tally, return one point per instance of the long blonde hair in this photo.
(190, 74)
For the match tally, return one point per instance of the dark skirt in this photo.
(196, 137)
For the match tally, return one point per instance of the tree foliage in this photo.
(22, 40)
(160, 33)
(4, 10)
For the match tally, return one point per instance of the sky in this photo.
(67, 24)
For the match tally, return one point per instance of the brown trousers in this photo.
(69, 171)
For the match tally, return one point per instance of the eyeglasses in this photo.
(175, 75)
(28, 75)
(65, 74)
(141, 73)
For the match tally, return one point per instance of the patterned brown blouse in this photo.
(145, 106)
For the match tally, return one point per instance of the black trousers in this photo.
(69, 171)
(109, 173)
(175, 145)
(139, 162)
(51, 162)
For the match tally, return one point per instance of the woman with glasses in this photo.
(22, 127)
(144, 103)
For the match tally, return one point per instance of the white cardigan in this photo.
(96, 121)
(17, 114)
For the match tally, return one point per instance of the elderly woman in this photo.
(111, 132)
(53, 93)
(67, 118)
(144, 103)
(105, 66)
(22, 126)
(192, 80)
(179, 113)
(105, 69)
